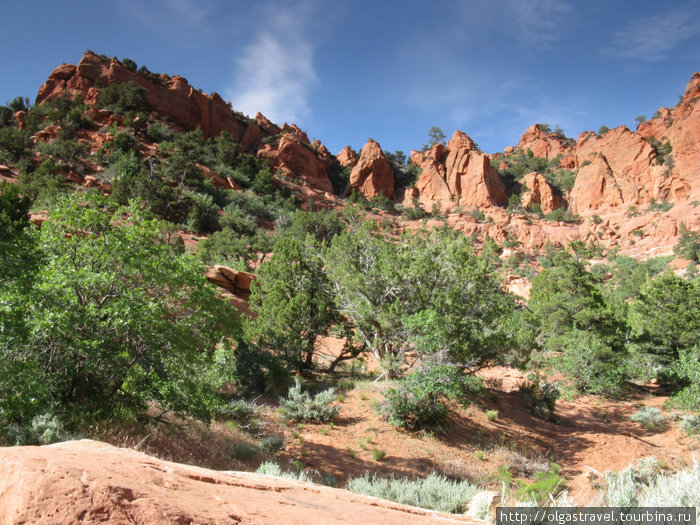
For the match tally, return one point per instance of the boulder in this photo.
(347, 157)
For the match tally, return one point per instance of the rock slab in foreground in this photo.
(88, 482)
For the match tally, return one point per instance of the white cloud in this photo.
(651, 38)
(275, 74)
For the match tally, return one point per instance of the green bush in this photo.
(492, 415)
(417, 402)
(688, 245)
(159, 131)
(435, 492)
(125, 97)
(43, 429)
(301, 406)
(273, 469)
(649, 417)
(547, 486)
(540, 397)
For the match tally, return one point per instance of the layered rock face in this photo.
(172, 96)
(457, 175)
(372, 174)
(89, 482)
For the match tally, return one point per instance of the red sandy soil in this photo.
(597, 435)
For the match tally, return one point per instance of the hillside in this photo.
(525, 319)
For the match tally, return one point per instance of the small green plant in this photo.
(300, 406)
(480, 455)
(273, 469)
(325, 431)
(546, 485)
(340, 398)
(540, 396)
(649, 417)
(363, 396)
(272, 444)
(378, 454)
(662, 206)
(364, 442)
(492, 415)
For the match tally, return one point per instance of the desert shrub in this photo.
(687, 369)
(540, 397)
(243, 450)
(121, 98)
(414, 212)
(238, 410)
(546, 485)
(662, 206)
(159, 131)
(66, 152)
(378, 454)
(272, 444)
(649, 417)
(224, 247)
(43, 429)
(301, 406)
(603, 130)
(492, 415)
(417, 402)
(381, 202)
(273, 469)
(688, 245)
(690, 424)
(123, 142)
(646, 486)
(435, 492)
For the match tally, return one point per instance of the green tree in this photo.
(117, 320)
(664, 318)
(293, 301)
(436, 136)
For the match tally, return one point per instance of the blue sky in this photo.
(347, 70)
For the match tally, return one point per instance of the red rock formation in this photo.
(457, 175)
(173, 96)
(297, 159)
(372, 174)
(19, 118)
(617, 168)
(544, 144)
(347, 157)
(539, 191)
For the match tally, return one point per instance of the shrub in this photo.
(546, 485)
(121, 98)
(417, 402)
(273, 469)
(690, 424)
(381, 202)
(159, 131)
(540, 397)
(603, 130)
(688, 245)
(414, 213)
(44, 429)
(649, 417)
(646, 486)
(300, 406)
(378, 454)
(243, 450)
(492, 415)
(435, 492)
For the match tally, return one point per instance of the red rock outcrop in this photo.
(298, 159)
(89, 482)
(372, 174)
(455, 175)
(347, 157)
(539, 191)
(544, 144)
(172, 96)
